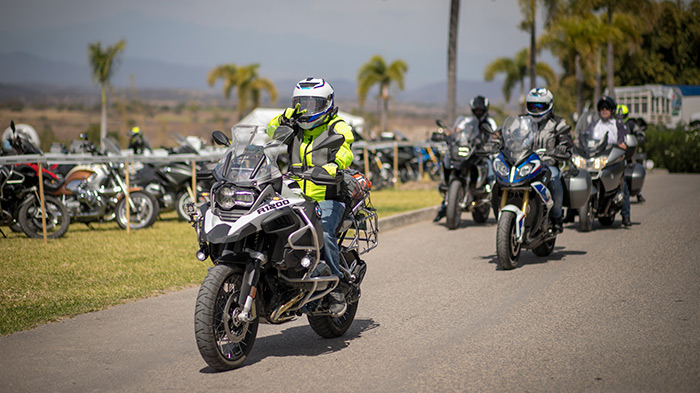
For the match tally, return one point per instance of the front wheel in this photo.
(223, 341)
(455, 194)
(507, 246)
(481, 214)
(57, 218)
(585, 217)
(329, 327)
(142, 213)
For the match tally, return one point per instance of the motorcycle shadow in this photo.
(528, 258)
(301, 341)
(468, 222)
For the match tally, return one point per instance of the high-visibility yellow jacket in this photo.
(329, 159)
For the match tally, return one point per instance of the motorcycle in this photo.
(522, 177)
(606, 164)
(264, 237)
(20, 203)
(95, 193)
(465, 172)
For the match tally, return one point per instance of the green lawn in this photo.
(89, 270)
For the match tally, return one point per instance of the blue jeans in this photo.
(331, 214)
(626, 201)
(557, 191)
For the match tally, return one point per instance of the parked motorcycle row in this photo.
(91, 193)
(593, 181)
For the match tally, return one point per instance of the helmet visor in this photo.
(537, 108)
(313, 105)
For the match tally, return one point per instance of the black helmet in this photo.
(480, 107)
(606, 102)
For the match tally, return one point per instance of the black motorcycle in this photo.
(20, 203)
(465, 171)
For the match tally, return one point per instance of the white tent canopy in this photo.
(262, 116)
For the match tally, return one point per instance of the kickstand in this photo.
(89, 226)
(3, 234)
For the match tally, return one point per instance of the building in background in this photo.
(661, 104)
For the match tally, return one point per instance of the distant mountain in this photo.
(28, 75)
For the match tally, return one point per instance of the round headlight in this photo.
(225, 197)
(500, 168)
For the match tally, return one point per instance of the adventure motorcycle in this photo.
(264, 237)
(20, 203)
(606, 164)
(465, 172)
(522, 177)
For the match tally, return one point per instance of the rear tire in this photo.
(329, 327)
(455, 194)
(507, 246)
(545, 249)
(57, 218)
(481, 214)
(144, 213)
(585, 217)
(223, 341)
(606, 221)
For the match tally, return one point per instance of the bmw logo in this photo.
(317, 209)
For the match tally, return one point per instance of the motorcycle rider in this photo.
(137, 142)
(554, 137)
(314, 117)
(479, 106)
(616, 131)
(623, 113)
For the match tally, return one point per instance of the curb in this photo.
(412, 217)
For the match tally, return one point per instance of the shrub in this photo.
(677, 150)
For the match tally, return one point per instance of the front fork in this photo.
(520, 213)
(249, 287)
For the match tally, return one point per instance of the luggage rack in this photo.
(359, 230)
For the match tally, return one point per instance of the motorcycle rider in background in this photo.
(556, 142)
(623, 114)
(479, 106)
(314, 117)
(137, 142)
(616, 131)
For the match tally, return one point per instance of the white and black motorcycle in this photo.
(265, 238)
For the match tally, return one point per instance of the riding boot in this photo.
(640, 198)
(441, 213)
(558, 224)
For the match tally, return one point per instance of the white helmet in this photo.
(316, 96)
(539, 102)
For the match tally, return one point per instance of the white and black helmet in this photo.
(316, 96)
(539, 102)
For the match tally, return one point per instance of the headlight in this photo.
(600, 163)
(580, 162)
(500, 168)
(463, 151)
(526, 169)
(228, 197)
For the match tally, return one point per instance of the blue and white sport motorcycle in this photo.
(525, 200)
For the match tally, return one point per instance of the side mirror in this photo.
(220, 138)
(437, 136)
(440, 123)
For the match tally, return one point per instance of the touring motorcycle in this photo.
(522, 177)
(607, 165)
(466, 168)
(264, 237)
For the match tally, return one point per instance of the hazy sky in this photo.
(290, 39)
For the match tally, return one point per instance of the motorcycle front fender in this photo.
(519, 220)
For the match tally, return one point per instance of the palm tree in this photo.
(529, 9)
(103, 63)
(376, 71)
(452, 62)
(516, 70)
(247, 83)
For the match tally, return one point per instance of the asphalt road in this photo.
(616, 309)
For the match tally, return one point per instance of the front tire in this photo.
(223, 341)
(507, 246)
(455, 194)
(57, 218)
(585, 219)
(143, 213)
(481, 214)
(329, 327)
